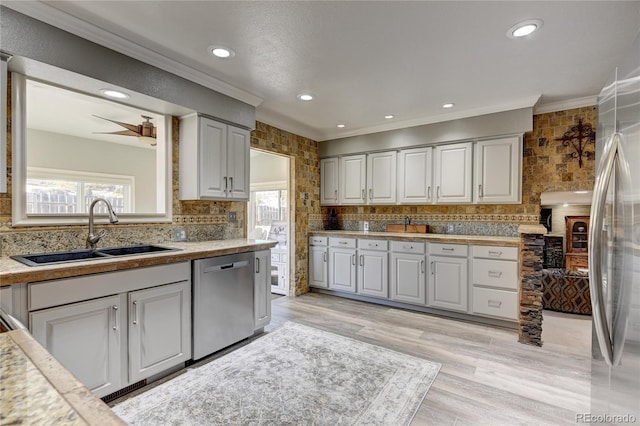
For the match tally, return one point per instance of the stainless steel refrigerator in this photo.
(614, 250)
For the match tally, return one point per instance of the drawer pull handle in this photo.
(342, 242)
(448, 249)
(407, 247)
(373, 245)
(495, 253)
(135, 312)
(495, 274)
(115, 317)
(494, 303)
(324, 257)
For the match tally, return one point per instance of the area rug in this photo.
(292, 376)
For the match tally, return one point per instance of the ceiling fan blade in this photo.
(132, 127)
(121, 132)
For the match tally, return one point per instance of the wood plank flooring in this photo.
(487, 377)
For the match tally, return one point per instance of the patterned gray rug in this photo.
(292, 376)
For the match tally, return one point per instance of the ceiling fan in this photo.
(145, 132)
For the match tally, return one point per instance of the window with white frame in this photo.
(51, 191)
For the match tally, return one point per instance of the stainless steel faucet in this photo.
(92, 239)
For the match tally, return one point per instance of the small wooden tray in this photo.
(415, 229)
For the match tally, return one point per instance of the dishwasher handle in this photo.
(226, 267)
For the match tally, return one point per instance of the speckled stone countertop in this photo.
(433, 238)
(14, 272)
(36, 389)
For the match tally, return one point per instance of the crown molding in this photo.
(565, 105)
(57, 18)
(275, 119)
(528, 102)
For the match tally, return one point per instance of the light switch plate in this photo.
(365, 226)
(179, 234)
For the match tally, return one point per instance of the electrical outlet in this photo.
(179, 234)
(451, 228)
(365, 226)
(232, 217)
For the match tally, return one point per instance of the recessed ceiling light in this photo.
(116, 94)
(221, 52)
(306, 97)
(524, 28)
(449, 105)
(340, 126)
(389, 116)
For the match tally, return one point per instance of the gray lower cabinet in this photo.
(448, 282)
(408, 278)
(342, 264)
(87, 339)
(318, 262)
(262, 289)
(373, 268)
(114, 329)
(159, 329)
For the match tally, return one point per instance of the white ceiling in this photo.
(365, 59)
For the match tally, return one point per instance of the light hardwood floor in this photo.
(487, 377)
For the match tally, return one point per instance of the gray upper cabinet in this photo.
(498, 171)
(381, 177)
(214, 160)
(453, 173)
(415, 176)
(353, 179)
(329, 182)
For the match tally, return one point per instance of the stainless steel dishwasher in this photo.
(222, 302)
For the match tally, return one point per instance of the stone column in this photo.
(530, 309)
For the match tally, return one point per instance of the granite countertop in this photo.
(433, 238)
(36, 389)
(14, 272)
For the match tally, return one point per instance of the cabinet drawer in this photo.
(407, 247)
(491, 252)
(496, 303)
(342, 242)
(318, 241)
(496, 273)
(68, 290)
(461, 250)
(373, 245)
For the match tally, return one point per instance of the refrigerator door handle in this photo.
(611, 346)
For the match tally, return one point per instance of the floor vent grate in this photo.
(124, 391)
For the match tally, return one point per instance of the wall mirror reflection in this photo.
(73, 148)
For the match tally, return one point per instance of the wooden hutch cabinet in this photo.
(576, 256)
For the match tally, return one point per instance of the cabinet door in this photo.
(86, 339)
(453, 173)
(381, 178)
(353, 179)
(212, 167)
(159, 329)
(448, 283)
(373, 273)
(318, 266)
(238, 163)
(329, 181)
(408, 278)
(498, 171)
(415, 170)
(342, 269)
(262, 289)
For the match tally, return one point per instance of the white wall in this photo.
(57, 151)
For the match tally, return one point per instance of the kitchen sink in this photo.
(126, 251)
(82, 255)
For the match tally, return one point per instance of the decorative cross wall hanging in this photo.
(579, 136)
